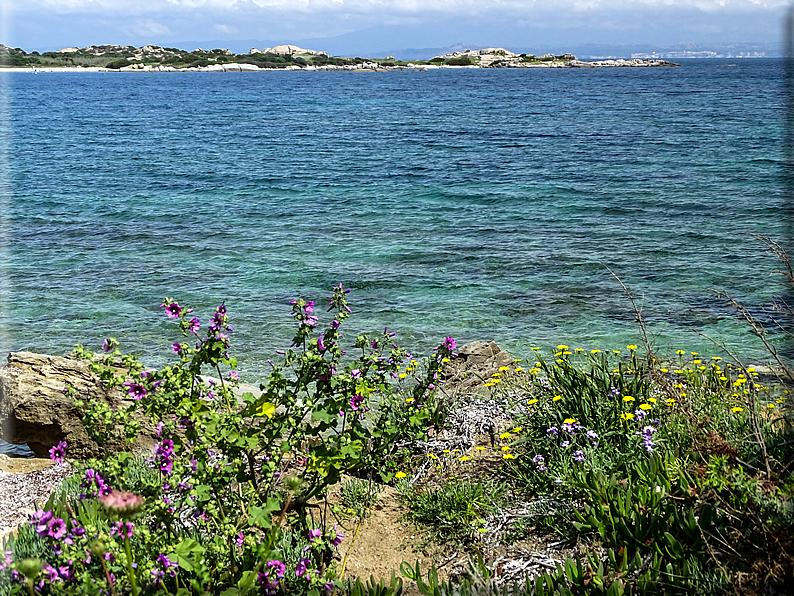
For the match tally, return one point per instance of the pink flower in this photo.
(122, 503)
(173, 310)
(58, 452)
(135, 390)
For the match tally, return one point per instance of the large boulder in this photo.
(35, 409)
(472, 366)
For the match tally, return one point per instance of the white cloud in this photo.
(390, 6)
(149, 28)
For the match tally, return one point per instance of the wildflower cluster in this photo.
(230, 469)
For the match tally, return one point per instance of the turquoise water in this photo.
(482, 204)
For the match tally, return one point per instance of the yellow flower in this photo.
(562, 347)
(504, 436)
(697, 361)
(626, 416)
(446, 451)
(445, 360)
(568, 421)
(532, 401)
(670, 401)
(652, 400)
(480, 448)
(628, 398)
(464, 458)
(737, 409)
(567, 353)
(680, 352)
(399, 475)
(645, 406)
(631, 347)
(678, 372)
(535, 348)
(504, 368)
(751, 369)
(595, 351)
(410, 400)
(517, 429)
(495, 381)
(578, 350)
(497, 374)
(694, 353)
(616, 351)
(432, 456)
(506, 448)
(519, 369)
(508, 456)
(716, 358)
(770, 406)
(403, 375)
(556, 398)
(723, 378)
(664, 370)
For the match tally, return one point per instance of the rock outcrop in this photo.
(35, 409)
(474, 364)
(287, 50)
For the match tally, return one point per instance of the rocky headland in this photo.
(152, 58)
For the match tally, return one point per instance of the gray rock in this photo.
(35, 410)
(473, 366)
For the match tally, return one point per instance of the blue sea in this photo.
(481, 204)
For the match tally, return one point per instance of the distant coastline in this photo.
(114, 58)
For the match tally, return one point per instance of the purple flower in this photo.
(302, 568)
(41, 520)
(552, 430)
(58, 452)
(321, 343)
(449, 343)
(329, 586)
(123, 529)
(647, 435)
(164, 453)
(337, 540)
(335, 324)
(194, 325)
(167, 564)
(315, 533)
(578, 455)
(356, 401)
(92, 478)
(176, 347)
(172, 310)
(56, 528)
(278, 566)
(565, 444)
(109, 344)
(135, 390)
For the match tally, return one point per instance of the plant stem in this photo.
(130, 570)
(107, 575)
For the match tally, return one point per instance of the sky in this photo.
(347, 27)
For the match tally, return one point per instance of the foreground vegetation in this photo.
(673, 477)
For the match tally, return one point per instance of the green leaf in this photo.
(266, 409)
(187, 553)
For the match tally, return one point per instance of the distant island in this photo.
(152, 58)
